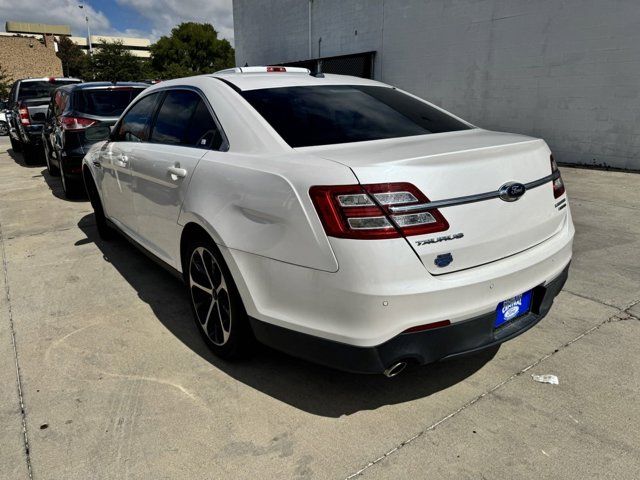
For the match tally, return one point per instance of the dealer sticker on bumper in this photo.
(513, 308)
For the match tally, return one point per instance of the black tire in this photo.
(52, 169)
(31, 154)
(71, 186)
(4, 129)
(223, 305)
(105, 232)
(16, 146)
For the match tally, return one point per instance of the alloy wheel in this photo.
(210, 296)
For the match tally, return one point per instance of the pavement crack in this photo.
(23, 412)
(476, 399)
(586, 297)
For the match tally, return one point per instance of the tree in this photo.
(5, 84)
(111, 61)
(191, 49)
(75, 63)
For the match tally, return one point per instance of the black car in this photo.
(28, 100)
(72, 110)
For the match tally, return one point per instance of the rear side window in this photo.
(40, 88)
(133, 127)
(174, 116)
(104, 102)
(203, 131)
(323, 115)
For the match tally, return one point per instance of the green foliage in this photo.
(191, 49)
(75, 63)
(5, 84)
(111, 61)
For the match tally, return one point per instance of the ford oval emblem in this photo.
(511, 191)
(443, 260)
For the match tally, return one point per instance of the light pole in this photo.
(86, 17)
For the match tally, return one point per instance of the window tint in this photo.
(203, 131)
(307, 116)
(174, 117)
(104, 102)
(40, 89)
(133, 127)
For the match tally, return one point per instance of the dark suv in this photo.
(28, 101)
(72, 109)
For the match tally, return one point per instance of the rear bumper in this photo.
(429, 346)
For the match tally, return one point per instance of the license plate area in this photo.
(513, 308)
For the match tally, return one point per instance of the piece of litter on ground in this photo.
(552, 379)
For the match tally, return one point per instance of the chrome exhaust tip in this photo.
(395, 369)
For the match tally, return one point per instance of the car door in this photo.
(182, 132)
(116, 159)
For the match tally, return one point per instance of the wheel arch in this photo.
(194, 229)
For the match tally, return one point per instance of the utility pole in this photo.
(86, 18)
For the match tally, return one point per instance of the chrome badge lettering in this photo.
(444, 238)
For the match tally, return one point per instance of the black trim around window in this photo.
(224, 146)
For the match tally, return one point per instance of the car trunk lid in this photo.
(461, 164)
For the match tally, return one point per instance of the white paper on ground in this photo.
(552, 379)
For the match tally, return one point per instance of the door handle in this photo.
(122, 160)
(97, 164)
(177, 172)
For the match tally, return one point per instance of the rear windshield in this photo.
(104, 102)
(39, 89)
(308, 116)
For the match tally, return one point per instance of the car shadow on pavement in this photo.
(55, 185)
(303, 385)
(19, 159)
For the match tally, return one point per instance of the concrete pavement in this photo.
(116, 382)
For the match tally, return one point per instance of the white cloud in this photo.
(163, 15)
(56, 12)
(166, 14)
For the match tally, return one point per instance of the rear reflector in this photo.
(76, 123)
(558, 184)
(428, 326)
(363, 211)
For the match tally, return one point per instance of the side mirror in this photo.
(97, 133)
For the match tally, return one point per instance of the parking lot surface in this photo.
(104, 375)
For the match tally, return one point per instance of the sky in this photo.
(131, 18)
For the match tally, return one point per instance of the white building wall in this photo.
(567, 71)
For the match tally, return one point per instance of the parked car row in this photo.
(335, 218)
(48, 118)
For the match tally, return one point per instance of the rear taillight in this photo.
(558, 184)
(76, 123)
(371, 211)
(24, 115)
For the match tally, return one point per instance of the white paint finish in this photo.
(159, 196)
(458, 164)
(253, 200)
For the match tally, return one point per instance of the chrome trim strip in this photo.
(470, 198)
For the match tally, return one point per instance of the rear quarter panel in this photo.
(260, 205)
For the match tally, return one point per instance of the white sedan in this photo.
(335, 218)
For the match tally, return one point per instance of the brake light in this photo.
(276, 69)
(367, 211)
(24, 114)
(558, 184)
(76, 123)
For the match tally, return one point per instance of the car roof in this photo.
(255, 81)
(98, 85)
(48, 79)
